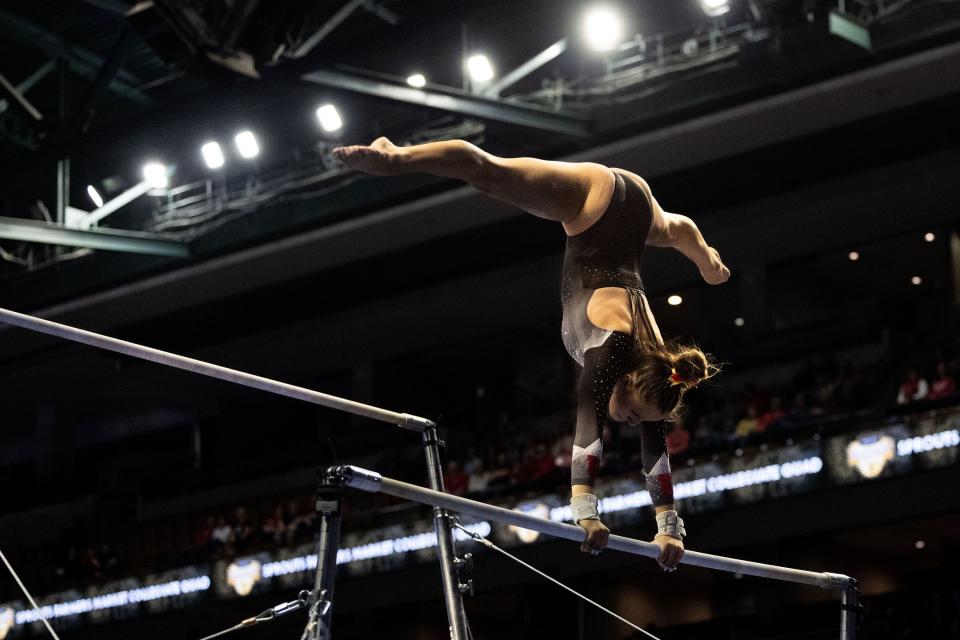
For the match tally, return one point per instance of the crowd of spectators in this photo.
(915, 388)
(520, 452)
(87, 563)
(239, 533)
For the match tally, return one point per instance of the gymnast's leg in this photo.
(565, 192)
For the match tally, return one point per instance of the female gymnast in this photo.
(629, 374)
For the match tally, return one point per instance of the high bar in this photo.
(372, 481)
(31, 323)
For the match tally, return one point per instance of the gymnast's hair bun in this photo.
(693, 366)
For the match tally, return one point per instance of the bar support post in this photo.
(329, 501)
(449, 563)
(850, 608)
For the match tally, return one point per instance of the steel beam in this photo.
(327, 28)
(382, 12)
(20, 99)
(106, 239)
(81, 60)
(455, 101)
(101, 212)
(38, 75)
(105, 76)
(528, 67)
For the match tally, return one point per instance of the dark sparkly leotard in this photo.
(608, 254)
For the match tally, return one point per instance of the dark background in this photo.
(419, 295)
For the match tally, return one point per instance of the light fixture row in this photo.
(245, 142)
(603, 31)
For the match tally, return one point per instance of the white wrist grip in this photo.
(669, 523)
(584, 507)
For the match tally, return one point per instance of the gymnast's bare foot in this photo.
(714, 272)
(379, 159)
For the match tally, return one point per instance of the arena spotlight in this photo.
(603, 29)
(674, 300)
(329, 118)
(212, 155)
(480, 68)
(739, 321)
(929, 237)
(417, 80)
(714, 8)
(853, 255)
(919, 544)
(156, 174)
(92, 192)
(247, 145)
(916, 280)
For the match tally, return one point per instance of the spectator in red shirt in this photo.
(201, 537)
(455, 481)
(944, 386)
(274, 530)
(771, 415)
(913, 388)
(543, 463)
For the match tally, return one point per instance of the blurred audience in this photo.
(913, 388)
(532, 453)
(943, 385)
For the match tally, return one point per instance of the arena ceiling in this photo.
(729, 116)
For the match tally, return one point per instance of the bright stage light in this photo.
(916, 280)
(919, 544)
(246, 144)
(674, 300)
(212, 155)
(329, 118)
(92, 192)
(929, 237)
(853, 255)
(156, 174)
(714, 8)
(417, 80)
(739, 322)
(480, 68)
(603, 29)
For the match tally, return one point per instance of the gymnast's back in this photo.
(607, 254)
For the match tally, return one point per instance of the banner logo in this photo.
(6, 621)
(870, 454)
(242, 575)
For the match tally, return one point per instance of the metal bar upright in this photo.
(446, 549)
(63, 163)
(849, 612)
(329, 501)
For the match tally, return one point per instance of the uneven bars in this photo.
(407, 421)
(373, 482)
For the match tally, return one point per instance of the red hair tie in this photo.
(675, 378)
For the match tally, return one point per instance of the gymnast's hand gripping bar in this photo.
(371, 481)
(89, 338)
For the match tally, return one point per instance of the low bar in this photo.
(407, 421)
(371, 481)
